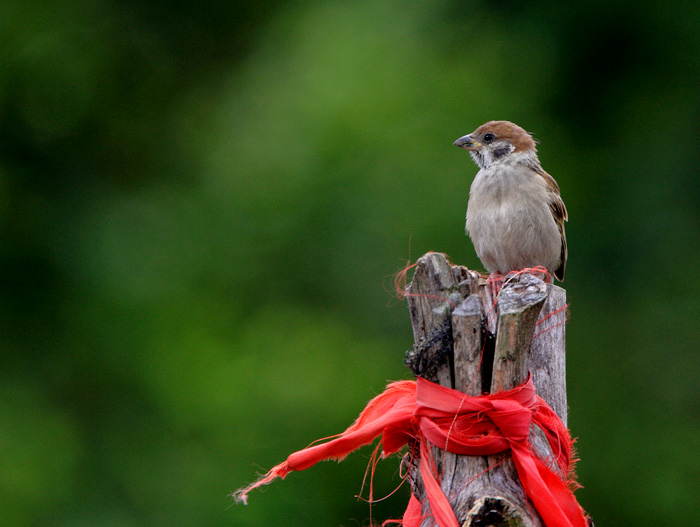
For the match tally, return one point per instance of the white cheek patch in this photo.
(526, 158)
(493, 154)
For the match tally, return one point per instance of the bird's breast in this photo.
(509, 220)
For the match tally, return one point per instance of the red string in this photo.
(556, 324)
(401, 279)
(422, 412)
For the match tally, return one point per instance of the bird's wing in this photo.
(558, 209)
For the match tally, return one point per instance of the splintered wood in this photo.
(471, 338)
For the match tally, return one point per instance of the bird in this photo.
(515, 213)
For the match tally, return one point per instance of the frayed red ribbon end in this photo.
(279, 471)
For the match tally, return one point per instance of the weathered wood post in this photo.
(467, 340)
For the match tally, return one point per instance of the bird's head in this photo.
(496, 141)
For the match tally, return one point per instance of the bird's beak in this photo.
(467, 143)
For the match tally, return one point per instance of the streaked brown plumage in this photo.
(515, 215)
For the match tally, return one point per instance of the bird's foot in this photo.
(495, 282)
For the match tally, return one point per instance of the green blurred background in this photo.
(202, 207)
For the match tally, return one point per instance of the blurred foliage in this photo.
(202, 207)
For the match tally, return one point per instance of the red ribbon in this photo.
(422, 412)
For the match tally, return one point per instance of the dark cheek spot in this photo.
(501, 151)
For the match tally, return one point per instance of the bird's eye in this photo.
(489, 137)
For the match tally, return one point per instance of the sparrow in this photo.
(515, 214)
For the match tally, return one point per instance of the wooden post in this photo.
(467, 340)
